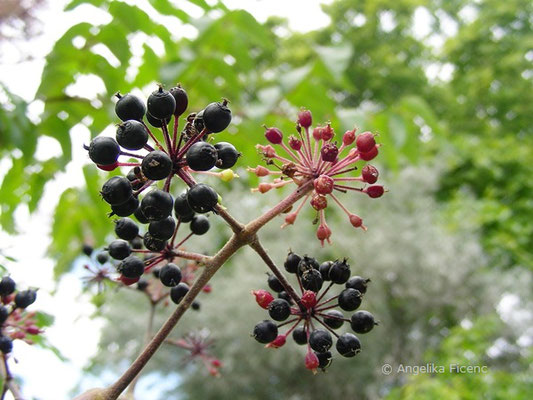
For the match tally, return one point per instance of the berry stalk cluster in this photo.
(313, 155)
(313, 317)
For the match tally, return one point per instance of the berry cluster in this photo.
(322, 163)
(318, 314)
(15, 321)
(177, 155)
(120, 256)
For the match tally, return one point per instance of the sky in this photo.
(74, 331)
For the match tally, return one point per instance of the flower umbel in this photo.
(313, 155)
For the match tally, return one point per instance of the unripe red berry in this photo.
(305, 118)
(319, 202)
(277, 342)
(317, 133)
(329, 152)
(324, 184)
(216, 363)
(263, 298)
(365, 141)
(267, 151)
(309, 299)
(274, 135)
(295, 143)
(374, 191)
(290, 218)
(323, 233)
(369, 155)
(348, 137)
(33, 330)
(327, 133)
(311, 361)
(356, 221)
(370, 174)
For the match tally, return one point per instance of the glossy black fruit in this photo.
(132, 135)
(217, 117)
(350, 299)
(279, 309)
(7, 286)
(227, 155)
(140, 216)
(265, 331)
(163, 229)
(201, 156)
(362, 322)
(161, 104)
(299, 335)
(199, 224)
(87, 250)
(339, 272)
(275, 284)
(156, 165)
(348, 345)
(129, 107)
(127, 208)
(170, 275)
(156, 123)
(157, 205)
(320, 340)
(324, 359)
(25, 298)
(119, 249)
(181, 98)
(334, 319)
(182, 207)
(4, 313)
(117, 190)
(312, 280)
(142, 284)
(153, 244)
(126, 228)
(324, 270)
(6, 344)
(104, 150)
(202, 198)
(131, 267)
(291, 262)
(102, 258)
(178, 292)
(358, 283)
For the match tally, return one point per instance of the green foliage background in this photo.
(470, 133)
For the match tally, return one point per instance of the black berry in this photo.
(129, 107)
(135, 177)
(227, 155)
(87, 250)
(4, 313)
(6, 344)
(201, 156)
(126, 229)
(217, 117)
(362, 321)
(182, 207)
(140, 216)
(198, 121)
(156, 123)
(136, 243)
(202, 198)
(25, 298)
(312, 280)
(195, 305)
(279, 309)
(307, 263)
(199, 225)
(161, 104)
(349, 299)
(102, 258)
(156, 165)
(339, 272)
(181, 98)
(153, 244)
(348, 345)
(157, 205)
(7, 286)
(119, 249)
(170, 275)
(299, 335)
(358, 283)
(131, 267)
(132, 135)
(292, 262)
(163, 229)
(127, 208)
(142, 284)
(117, 190)
(324, 270)
(104, 150)
(286, 296)
(178, 292)
(265, 331)
(275, 284)
(324, 359)
(334, 319)
(320, 340)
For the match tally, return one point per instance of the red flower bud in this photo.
(374, 191)
(317, 133)
(277, 342)
(311, 361)
(327, 133)
(370, 155)
(319, 202)
(324, 184)
(329, 152)
(309, 299)
(348, 137)
(295, 143)
(323, 233)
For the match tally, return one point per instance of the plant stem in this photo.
(9, 382)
